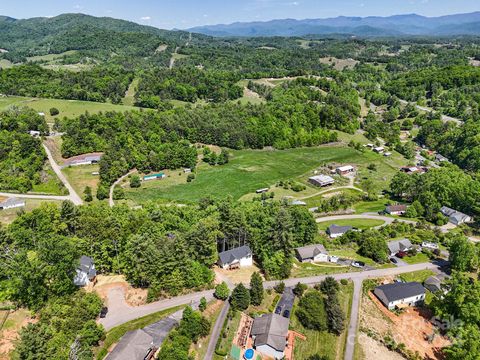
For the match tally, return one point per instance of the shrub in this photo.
(311, 311)
(221, 291)
(54, 111)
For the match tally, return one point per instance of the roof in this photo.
(399, 291)
(299, 202)
(271, 330)
(229, 256)
(310, 251)
(394, 208)
(134, 345)
(335, 229)
(345, 168)
(12, 202)
(452, 213)
(399, 245)
(322, 178)
(87, 266)
(84, 157)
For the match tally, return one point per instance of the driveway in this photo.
(388, 220)
(119, 312)
(217, 329)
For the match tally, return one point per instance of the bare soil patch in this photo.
(241, 275)
(339, 64)
(133, 296)
(10, 332)
(373, 349)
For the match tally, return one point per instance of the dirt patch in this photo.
(133, 296)
(373, 349)
(241, 275)
(161, 48)
(250, 94)
(474, 62)
(10, 332)
(412, 327)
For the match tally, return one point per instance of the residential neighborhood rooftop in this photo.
(401, 290)
(271, 330)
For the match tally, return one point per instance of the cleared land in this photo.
(9, 332)
(356, 223)
(81, 176)
(8, 215)
(339, 64)
(249, 170)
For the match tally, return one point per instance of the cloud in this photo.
(145, 18)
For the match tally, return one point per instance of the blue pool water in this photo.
(248, 354)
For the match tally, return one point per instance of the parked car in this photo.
(401, 254)
(278, 310)
(358, 264)
(286, 313)
(393, 260)
(103, 312)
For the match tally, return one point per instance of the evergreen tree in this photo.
(221, 291)
(256, 289)
(240, 299)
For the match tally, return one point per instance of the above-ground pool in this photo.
(248, 354)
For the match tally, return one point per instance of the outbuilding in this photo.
(321, 180)
(154, 177)
(12, 203)
(345, 170)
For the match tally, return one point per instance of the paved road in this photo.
(31, 196)
(110, 198)
(73, 194)
(217, 329)
(119, 312)
(387, 219)
(353, 326)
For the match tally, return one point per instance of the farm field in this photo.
(361, 224)
(68, 108)
(323, 343)
(249, 170)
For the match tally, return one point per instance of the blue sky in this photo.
(183, 14)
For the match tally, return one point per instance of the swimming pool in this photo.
(248, 354)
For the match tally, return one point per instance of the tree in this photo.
(203, 304)
(135, 181)
(256, 289)
(373, 246)
(329, 286)
(87, 194)
(311, 311)
(463, 254)
(54, 111)
(240, 299)
(221, 291)
(299, 289)
(280, 287)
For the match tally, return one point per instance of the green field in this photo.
(419, 276)
(361, 224)
(315, 269)
(322, 342)
(8, 215)
(68, 108)
(247, 171)
(81, 176)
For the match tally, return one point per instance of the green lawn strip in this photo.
(116, 333)
(247, 171)
(417, 259)
(322, 342)
(228, 333)
(419, 276)
(370, 206)
(201, 347)
(361, 224)
(81, 176)
(313, 269)
(348, 253)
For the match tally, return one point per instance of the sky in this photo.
(183, 14)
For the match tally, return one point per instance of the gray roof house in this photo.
(335, 231)
(399, 245)
(11, 203)
(86, 272)
(269, 333)
(237, 257)
(435, 283)
(309, 253)
(454, 216)
(400, 294)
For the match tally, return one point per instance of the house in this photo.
(312, 253)
(435, 284)
(154, 176)
(235, 258)
(430, 245)
(142, 344)
(400, 294)
(396, 209)
(396, 246)
(269, 333)
(345, 170)
(440, 158)
(379, 149)
(321, 180)
(454, 216)
(335, 231)
(12, 203)
(85, 159)
(86, 272)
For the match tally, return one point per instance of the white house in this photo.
(12, 203)
(312, 253)
(86, 272)
(236, 258)
(454, 216)
(400, 294)
(321, 180)
(399, 245)
(335, 231)
(269, 334)
(396, 209)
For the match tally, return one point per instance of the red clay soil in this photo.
(413, 327)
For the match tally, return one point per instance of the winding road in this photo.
(112, 188)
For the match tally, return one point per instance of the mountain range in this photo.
(397, 25)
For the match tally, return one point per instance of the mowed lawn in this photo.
(68, 108)
(356, 223)
(247, 171)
